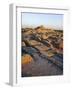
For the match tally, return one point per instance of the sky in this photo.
(36, 19)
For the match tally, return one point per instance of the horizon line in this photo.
(34, 26)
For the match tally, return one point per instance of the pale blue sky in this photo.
(37, 19)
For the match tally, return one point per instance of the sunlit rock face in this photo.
(26, 59)
(42, 51)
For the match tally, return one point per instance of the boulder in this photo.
(26, 59)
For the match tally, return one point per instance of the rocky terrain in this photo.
(42, 51)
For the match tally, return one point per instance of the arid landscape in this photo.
(42, 51)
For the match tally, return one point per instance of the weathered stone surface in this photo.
(42, 51)
(26, 59)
